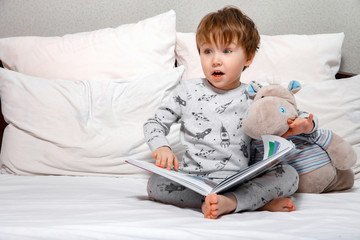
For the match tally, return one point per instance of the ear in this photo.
(249, 60)
(253, 88)
(294, 86)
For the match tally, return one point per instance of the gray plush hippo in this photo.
(323, 160)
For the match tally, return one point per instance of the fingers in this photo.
(176, 164)
(286, 134)
(299, 125)
(166, 159)
(310, 123)
(291, 123)
(172, 162)
(157, 157)
(160, 162)
(310, 118)
(169, 164)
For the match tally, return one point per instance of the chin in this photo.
(216, 84)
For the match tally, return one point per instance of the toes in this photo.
(214, 207)
(213, 198)
(214, 214)
(210, 206)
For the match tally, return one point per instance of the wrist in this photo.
(312, 127)
(164, 147)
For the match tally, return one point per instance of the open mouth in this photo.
(218, 73)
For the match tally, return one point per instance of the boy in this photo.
(210, 112)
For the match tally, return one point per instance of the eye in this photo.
(227, 51)
(262, 96)
(207, 51)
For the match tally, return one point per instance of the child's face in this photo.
(223, 64)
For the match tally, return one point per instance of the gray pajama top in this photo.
(210, 118)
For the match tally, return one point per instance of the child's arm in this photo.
(157, 128)
(300, 125)
(165, 158)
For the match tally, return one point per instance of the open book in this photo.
(275, 149)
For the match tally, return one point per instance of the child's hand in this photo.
(165, 157)
(300, 125)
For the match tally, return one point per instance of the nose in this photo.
(216, 61)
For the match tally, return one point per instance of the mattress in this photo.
(64, 207)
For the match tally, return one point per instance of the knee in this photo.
(291, 176)
(151, 186)
(291, 173)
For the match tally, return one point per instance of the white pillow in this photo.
(286, 57)
(128, 50)
(336, 103)
(187, 55)
(80, 127)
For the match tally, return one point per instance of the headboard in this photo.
(53, 18)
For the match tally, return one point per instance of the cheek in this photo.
(204, 62)
(206, 67)
(236, 69)
(236, 65)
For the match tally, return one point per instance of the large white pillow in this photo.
(285, 57)
(336, 103)
(128, 50)
(80, 127)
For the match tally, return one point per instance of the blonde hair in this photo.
(226, 26)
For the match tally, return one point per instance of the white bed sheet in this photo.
(62, 207)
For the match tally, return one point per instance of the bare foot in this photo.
(279, 205)
(217, 205)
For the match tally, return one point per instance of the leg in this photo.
(343, 180)
(163, 190)
(269, 191)
(316, 181)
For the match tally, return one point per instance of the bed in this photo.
(79, 78)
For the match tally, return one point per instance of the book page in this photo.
(275, 148)
(198, 184)
(274, 144)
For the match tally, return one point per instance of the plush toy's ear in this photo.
(294, 86)
(253, 88)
